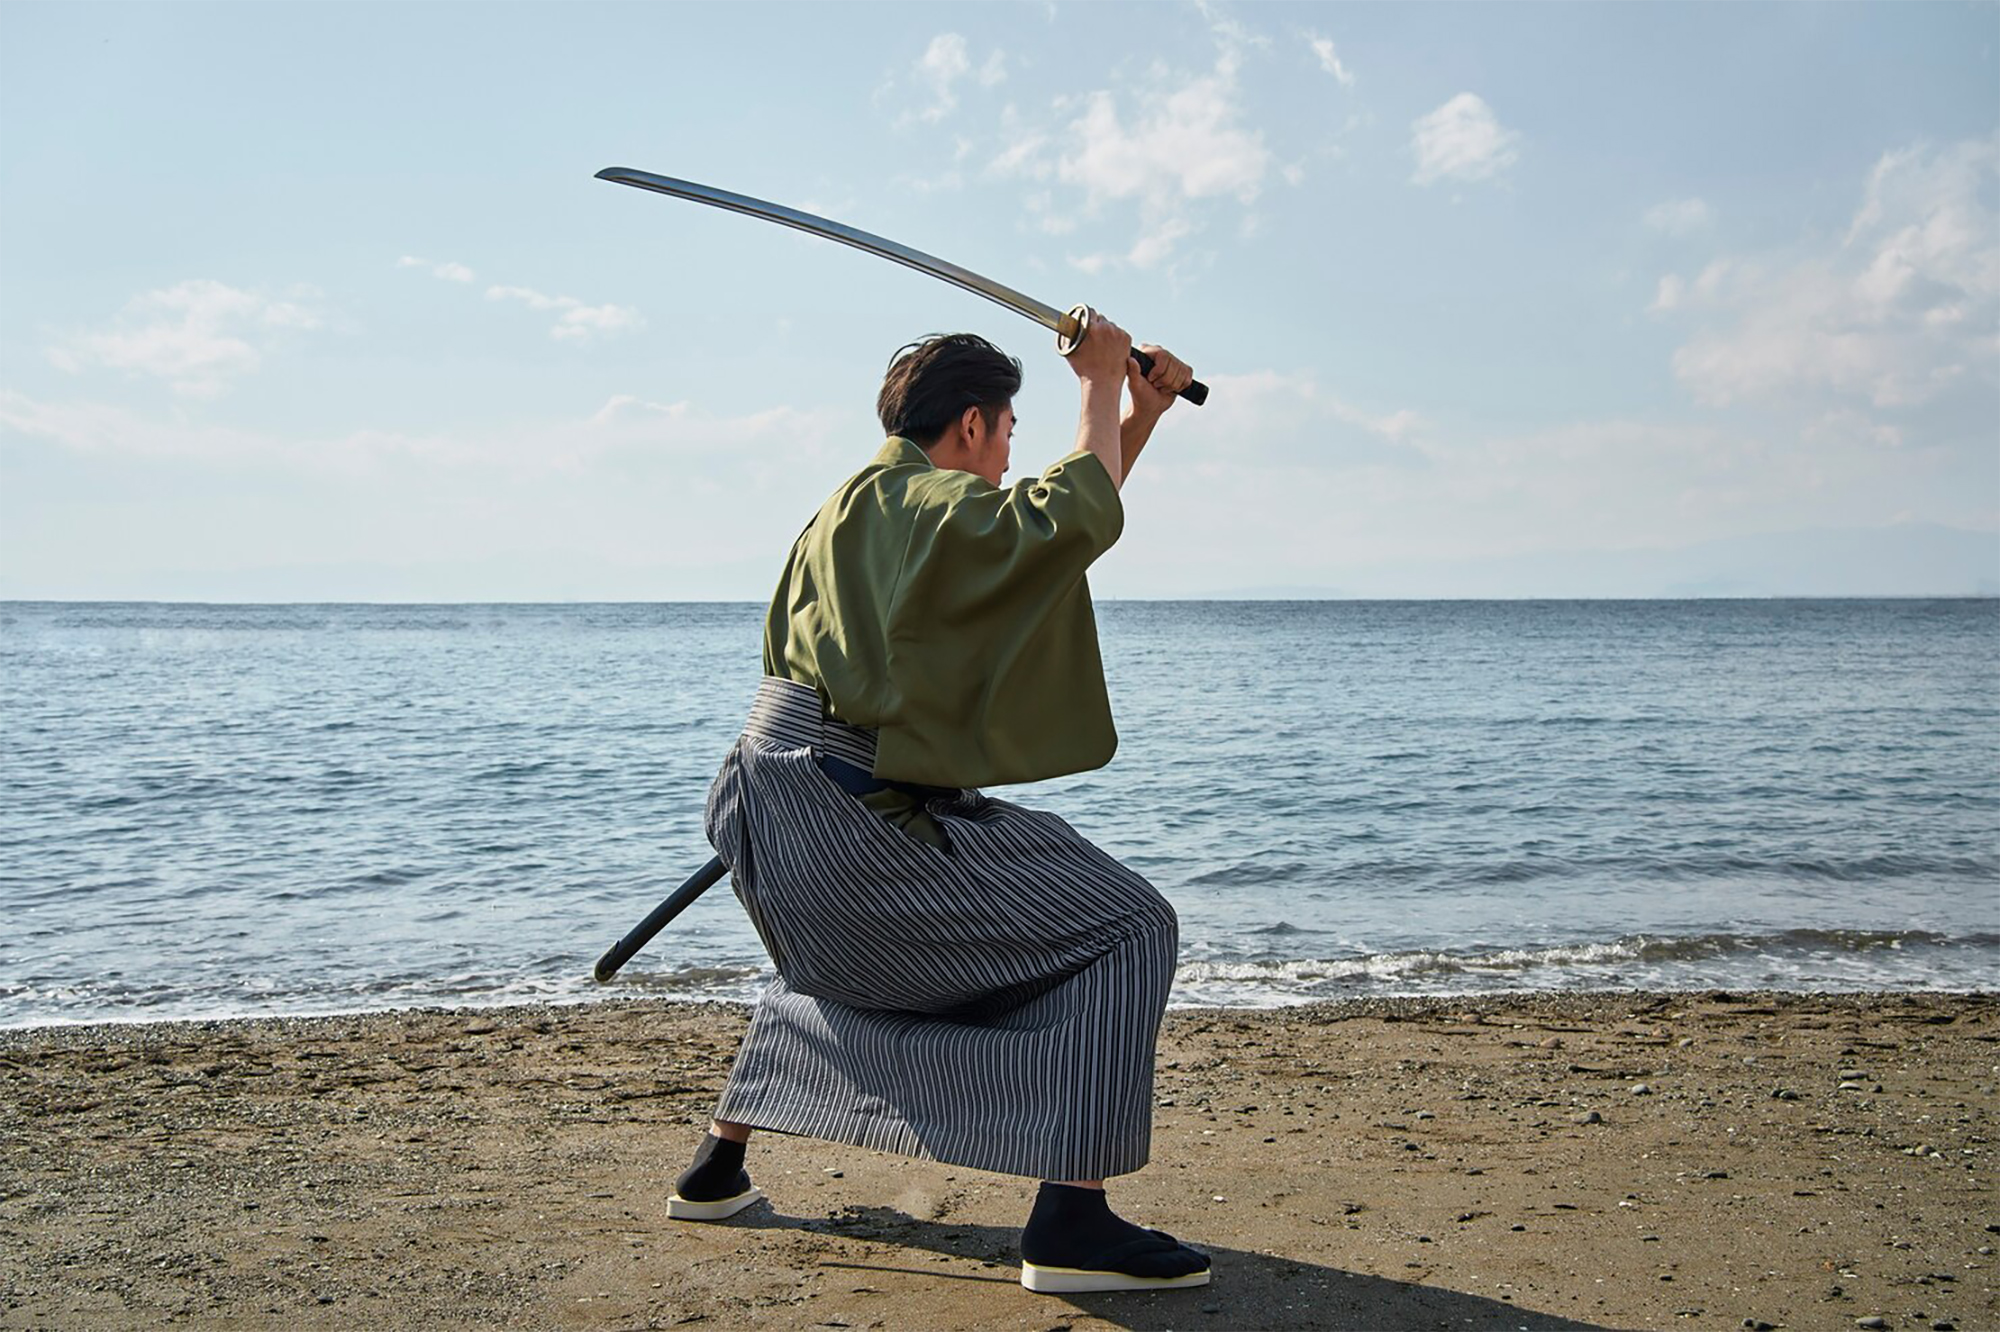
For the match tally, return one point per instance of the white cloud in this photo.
(1461, 140)
(1900, 314)
(196, 335)
(1929, 227)
(638, 504)
(1049, 216)
(1153, 247)
(943, 183)
(1184, 144)
(1164, 149)
(945, 64)
(1329, 59)
(1296, 417)
(1229, 35)
(531, 298)
(628, 431)
(1339, 486)
(95, 428)
(1674, 294)
(625, 404)
(580, 323)
(1846, 425)
(1024, 154)
(448, 270)
(577, 322)
(1680, 217)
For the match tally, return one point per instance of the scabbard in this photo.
(656, 920)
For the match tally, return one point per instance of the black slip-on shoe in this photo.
(742, 1193)
(1145, 1264)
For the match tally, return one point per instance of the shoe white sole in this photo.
(1077, 1280)
(681, 1209)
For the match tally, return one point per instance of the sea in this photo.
(225, 810)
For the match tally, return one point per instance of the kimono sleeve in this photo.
(992, 641)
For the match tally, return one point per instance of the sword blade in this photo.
(1046, 315)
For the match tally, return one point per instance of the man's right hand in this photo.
(1102, 353)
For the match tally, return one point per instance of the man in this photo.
(958, 978)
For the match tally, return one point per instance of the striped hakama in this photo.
(993, 1006)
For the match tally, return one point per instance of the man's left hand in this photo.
(1153, 394)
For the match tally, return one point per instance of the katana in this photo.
(1070, 327)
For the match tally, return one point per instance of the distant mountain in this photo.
(1911, 560)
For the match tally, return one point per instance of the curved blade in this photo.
(1046, 315)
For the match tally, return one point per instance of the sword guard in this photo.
(1075, 327)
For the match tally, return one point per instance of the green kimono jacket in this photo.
(952, 616)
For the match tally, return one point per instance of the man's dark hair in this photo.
(931, 383)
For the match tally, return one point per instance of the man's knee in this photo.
(1160, 926)
(1156, 911)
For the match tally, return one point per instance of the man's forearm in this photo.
(1133, 432)
(1098, 429)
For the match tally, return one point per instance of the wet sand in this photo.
(1795, 1161)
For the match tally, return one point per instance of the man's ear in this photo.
(971, 423)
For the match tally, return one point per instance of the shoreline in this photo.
(1479, 1161)
(1333, 1008)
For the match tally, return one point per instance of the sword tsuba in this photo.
(1075, 327)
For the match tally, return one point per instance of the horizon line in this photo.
(1098, 600)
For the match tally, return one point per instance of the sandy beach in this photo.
(1548, 1161)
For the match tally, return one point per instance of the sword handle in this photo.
(1196, 392)
(1079, 319)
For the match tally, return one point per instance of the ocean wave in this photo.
(1651, 961)
(1629, 871)
(695, 982)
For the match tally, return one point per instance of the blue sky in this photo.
(322, 302)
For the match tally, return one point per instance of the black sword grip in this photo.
(1196, 392)
(621, 952)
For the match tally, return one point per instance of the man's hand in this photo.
(1103, 354)
(1153, 393)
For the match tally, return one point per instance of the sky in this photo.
(314, 302)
